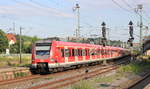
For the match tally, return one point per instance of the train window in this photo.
(95, 53)
(91, 51)
(79, 52)
(73, 52)
(87, 52)
(98, 52)
(62, 53)
(76, 52)
(67, 53)
(106, 51)
(102, 52)
(83, 52)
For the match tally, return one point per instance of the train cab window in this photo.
(42, 50)
(62, 53)
(67, 53)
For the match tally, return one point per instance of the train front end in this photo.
(40, 56)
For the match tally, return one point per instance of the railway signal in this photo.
(103, 33)
(131, 38)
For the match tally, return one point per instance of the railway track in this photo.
(70, 80)
(28, 81)
(140, 83)
(11, 81)
(22, 79)
(73, 79)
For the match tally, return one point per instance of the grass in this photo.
(83, 85)
(20, 74)
(107, 79)
(103, 81)
(13, 61)
(135, 68)
(48, 78)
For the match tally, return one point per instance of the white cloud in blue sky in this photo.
(55, 17)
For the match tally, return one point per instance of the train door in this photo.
(84, 54)
(104, 52)
(107, 52)
(80, 58)
(98, 53)
(93, 53)
(61, 56)
(87, 54)
(72, 55)
(110, 50)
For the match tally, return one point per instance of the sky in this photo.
(49, 18)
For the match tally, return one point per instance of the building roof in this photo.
(11, 37)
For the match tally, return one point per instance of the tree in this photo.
(3, 42)
(27, 42)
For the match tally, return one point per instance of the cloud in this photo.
(29, 9)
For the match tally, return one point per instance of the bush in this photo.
(83, 85)
(135, 67)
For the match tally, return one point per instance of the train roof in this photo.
(61, 44)
(73, 44)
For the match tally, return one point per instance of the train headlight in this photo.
(52, 60)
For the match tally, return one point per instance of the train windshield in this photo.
(43, 50)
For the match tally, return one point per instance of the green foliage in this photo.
(135, 67)
(20, 74)
(108, 78)
(26, 44)
(136, 52)
(13, 61)
(83, 85)
(3, 42)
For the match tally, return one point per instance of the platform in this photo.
(13, 72)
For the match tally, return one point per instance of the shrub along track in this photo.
(36, 80)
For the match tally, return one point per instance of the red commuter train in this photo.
(57, 54)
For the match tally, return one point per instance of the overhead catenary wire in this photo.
(41, 5)
(124, 1)
(116, 3)
(144, 12)
(54, 2)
